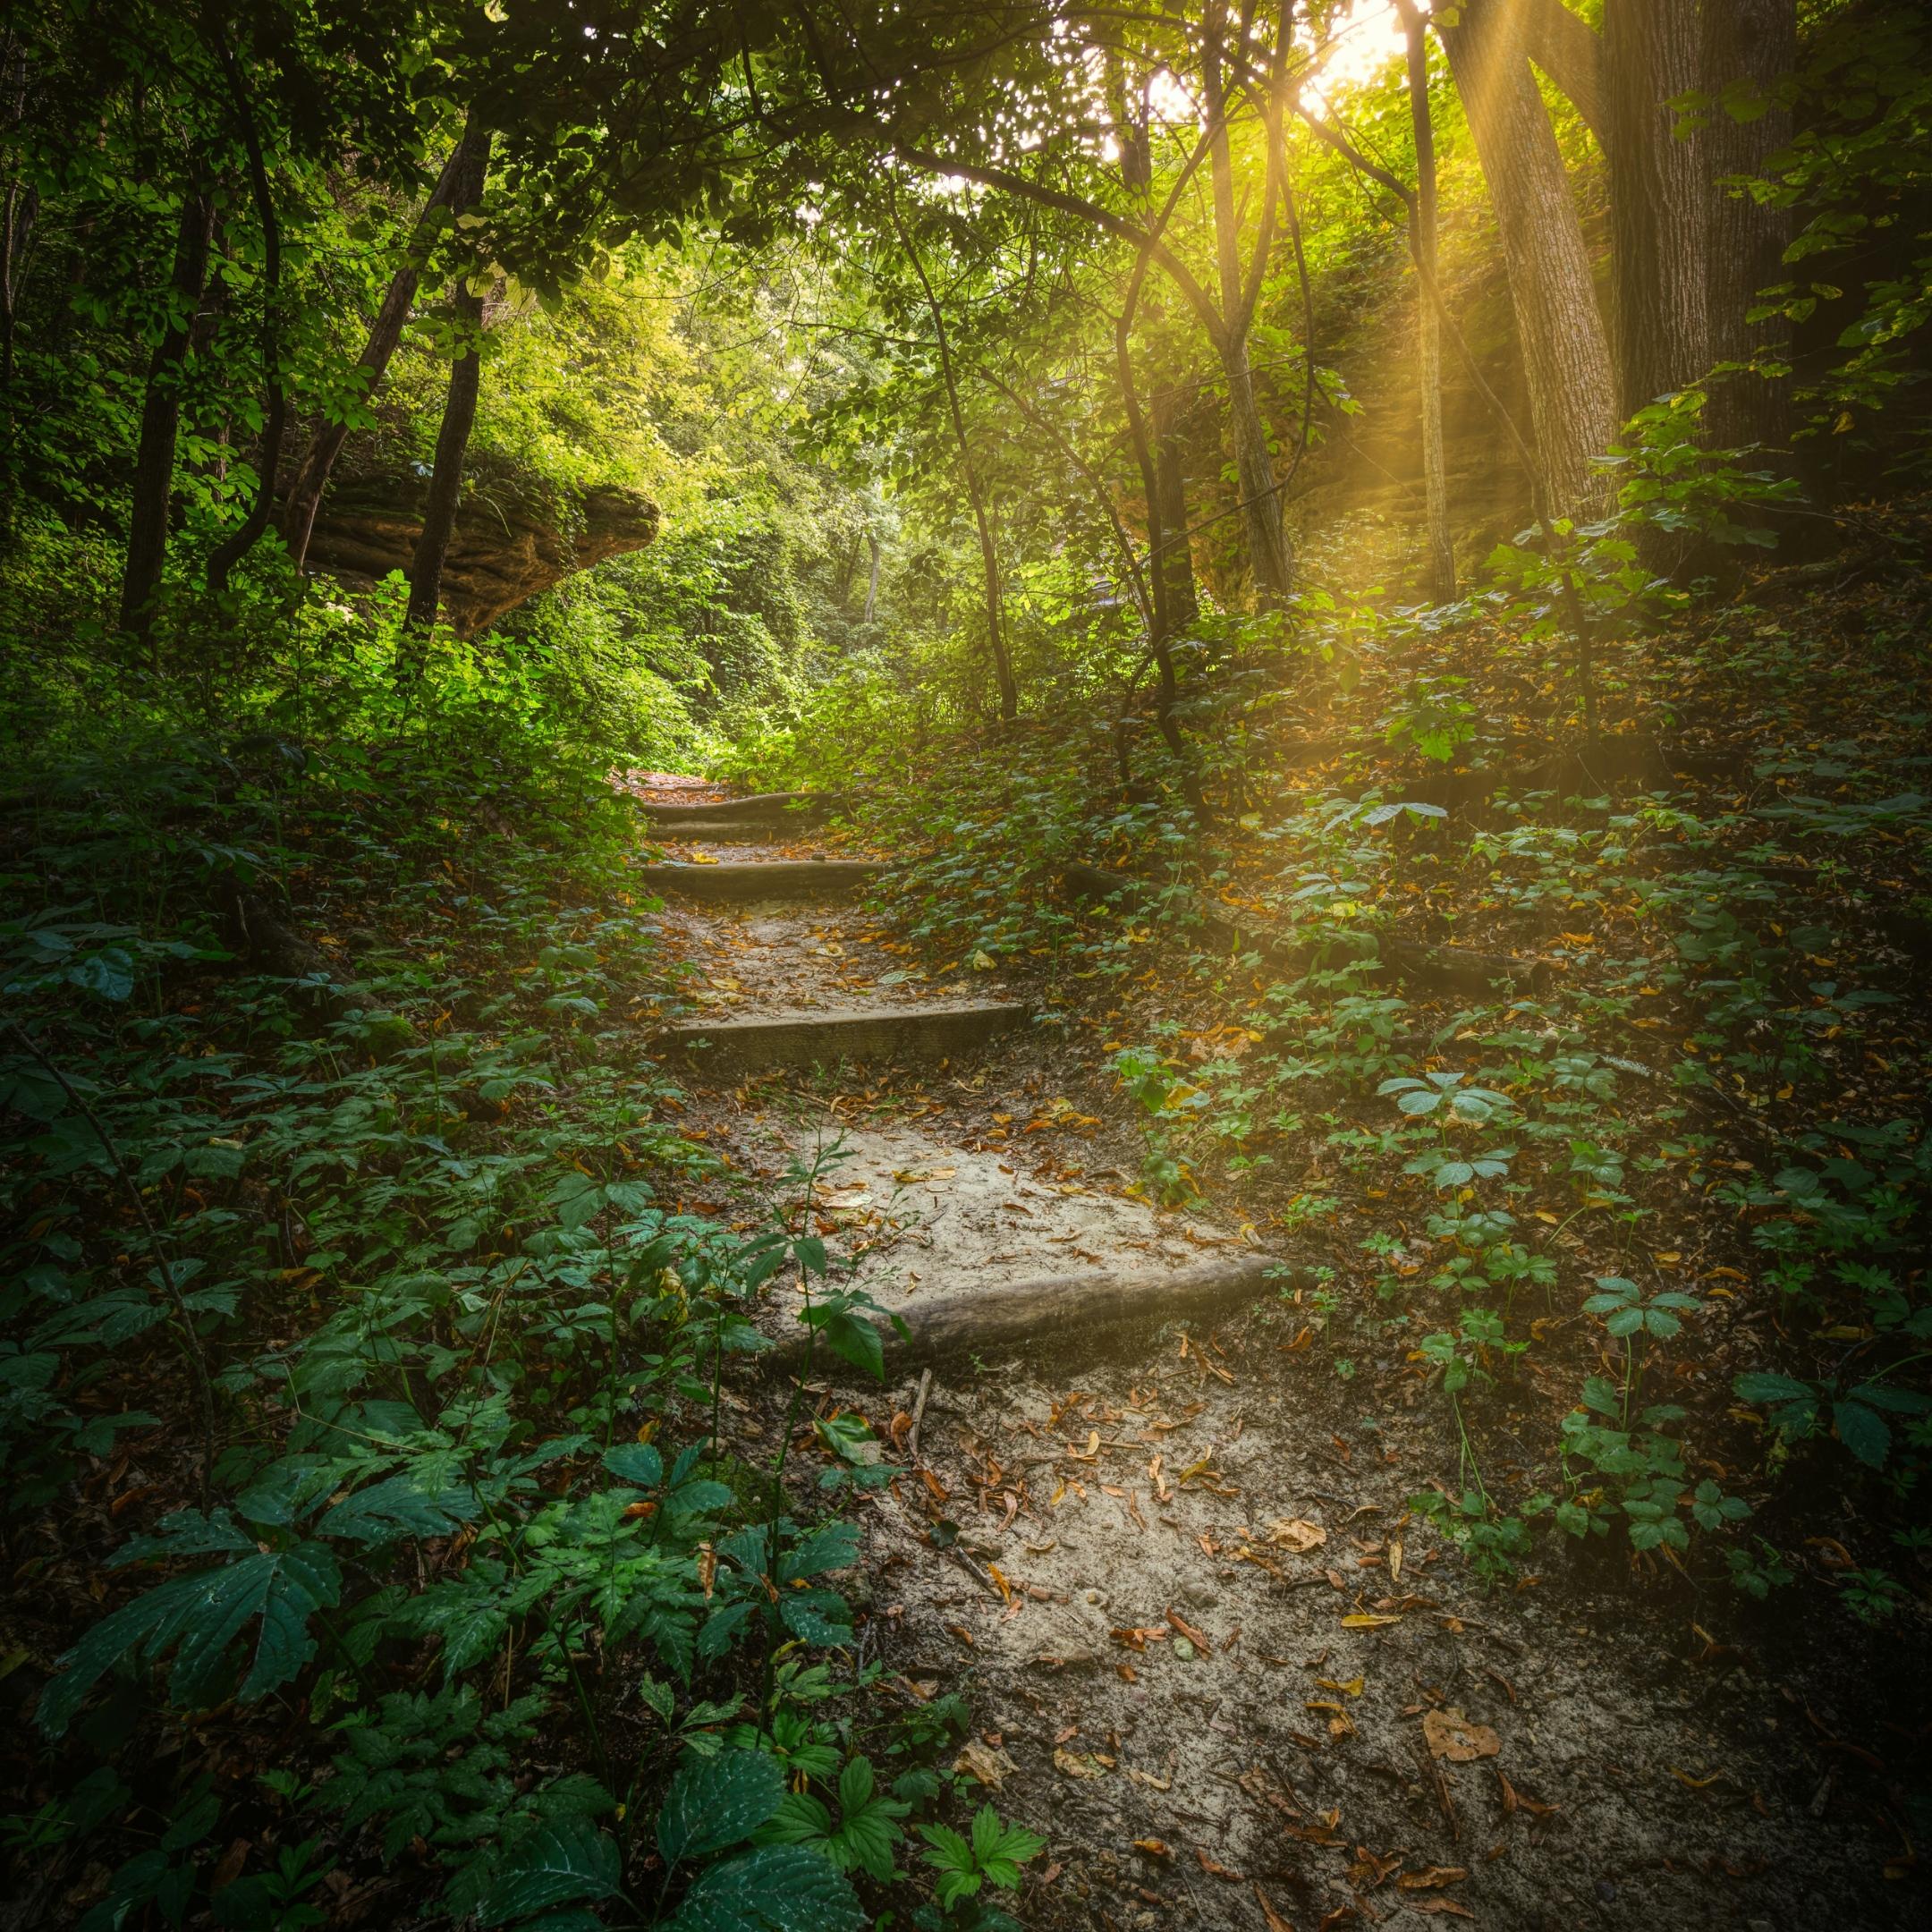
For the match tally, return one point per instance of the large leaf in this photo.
(718, 1801)
(562, 1862)
(1863, 1431)
(777, 1888)
(201, 1617)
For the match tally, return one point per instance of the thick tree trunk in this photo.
(1754, 42)
(1566, 353)
(154, 460)
(459, 417)
(1175, 563)
(1660, 200)
(1442, 583)
(312, 473)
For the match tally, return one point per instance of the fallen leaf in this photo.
(1199, 1639)
(1432, 1876)
(1450, 1734)
(1275, 1922)
(1153, 1847)
(1078, 1763)
(982, 1762)
(1362, 1620)
(1447, 1905)
(1295, 1533)
(1216, 1870)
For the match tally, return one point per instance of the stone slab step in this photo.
(1064, 1313)
(766, 807)
(727, 831)
(776, 878)
(872, 1033)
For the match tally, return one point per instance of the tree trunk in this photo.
(312, 473)
(1175, 563)
(233, 548)
(154, 460)
(1002, 674)
(1262, 522)
(459, 417)
(1442, 582)
(1566, 355)
(872, 578)
(1754, 42)
(1660, 201)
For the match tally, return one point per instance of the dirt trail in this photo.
(1208, 1650)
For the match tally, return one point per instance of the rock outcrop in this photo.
(513, 538)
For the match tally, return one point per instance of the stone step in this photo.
(776, 878)
(1058, 1313)
(766, 807)
(728, 831)
(812, 1039)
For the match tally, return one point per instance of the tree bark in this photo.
(233, 548)
(1442, 581)
(1002, 674)
(312, 473)
(1755, 43)
(459, 417)
(872, 578)
(1262, 522)
(1175, 563)
(154, 460)
(1566, 47)
(1566, 353)
(1660, 201)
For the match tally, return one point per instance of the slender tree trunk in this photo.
(445, 479)
(1003, 674)
(1262, 522)
(459, 417)
(1175, 563)
(872, 578)
(318, 459)
(1566, 353)
(1755, 42)
(1660, 200)
(154, 460)
(1442, 583)
(21, 205)
(233, 548)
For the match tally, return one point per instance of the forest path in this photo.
(1207, 1649)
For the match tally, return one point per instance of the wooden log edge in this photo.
(1053, 1311)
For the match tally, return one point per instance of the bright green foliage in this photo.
(993, 1855)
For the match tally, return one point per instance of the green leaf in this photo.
(1771, 1388)
(776, 1889)
(200, 1617)
(718, 1801)
(856, 1340)
(1863, 1431)
(635, 1462)
(562, 1862)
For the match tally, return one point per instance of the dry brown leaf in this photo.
(1451, 1735)
(1215, 1870)
(1275, 1922)
(1362, 1620)
(1297, 1534)
(1199, 1639)
(1078, 1763)
(990, 1767)
(1431, 1876)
